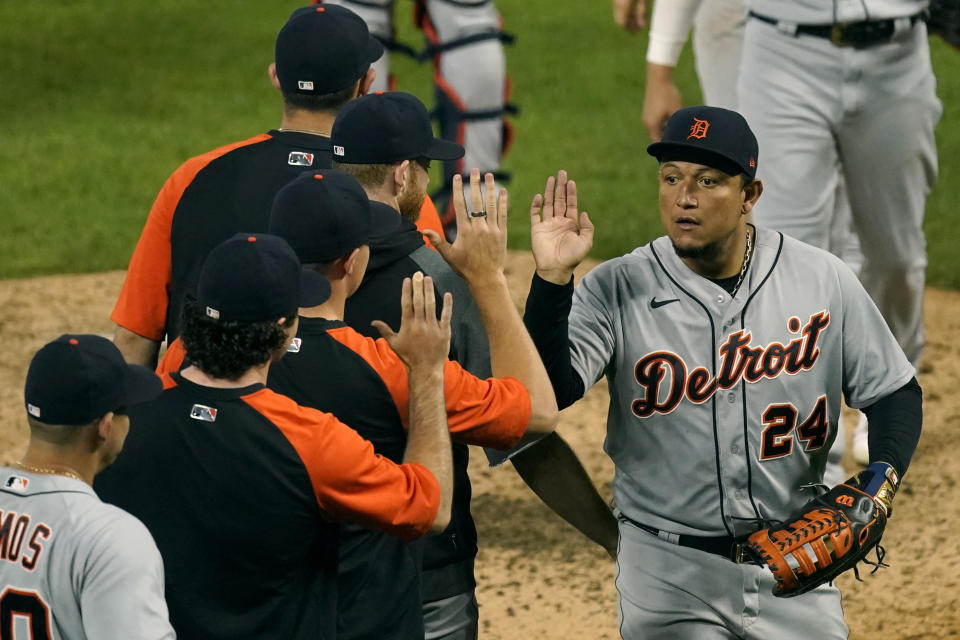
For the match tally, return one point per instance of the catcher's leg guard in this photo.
(378, 14)
(466, 45)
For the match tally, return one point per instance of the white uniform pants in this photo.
(871, 112)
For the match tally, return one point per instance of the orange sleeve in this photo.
(142, 305)
(172, 360)
(429, 219)
(351, 482)
(490, 413)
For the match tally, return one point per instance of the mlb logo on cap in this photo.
(337, 150)
(213, 313)
(305, 85)
(33, 410)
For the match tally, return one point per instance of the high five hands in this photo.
(480, 250)
(559, 236)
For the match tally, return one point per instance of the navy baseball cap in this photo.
(387, 127)
(710, 136)
(323, 49)
(254, 277)
(78, 378)
(324, 215)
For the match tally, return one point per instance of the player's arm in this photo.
(141, 308)
(122, 586)
(422, 344)
(135, 348)
(669, 29)
(479, 256)
(895, 422)
(554, 472)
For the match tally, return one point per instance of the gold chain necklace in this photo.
(55, 472)
(747, 255)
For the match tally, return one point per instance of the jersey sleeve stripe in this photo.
(350, 481)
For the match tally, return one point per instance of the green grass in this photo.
(100, 101)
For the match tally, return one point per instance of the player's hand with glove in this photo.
(560, 237)
(829, 534)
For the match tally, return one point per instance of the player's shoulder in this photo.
(283, 411)
(627, 266)
(196, 164)
(778, 247)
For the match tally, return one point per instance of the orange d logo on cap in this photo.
(698, 129)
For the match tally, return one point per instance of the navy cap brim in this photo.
(698, 154)
(314, 288)
(374, 50)
(439, 149)
(140, 384)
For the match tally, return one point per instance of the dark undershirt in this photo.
(895, 419)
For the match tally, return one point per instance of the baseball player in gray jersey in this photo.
(846, 86)
(70, 565)
(727, 349)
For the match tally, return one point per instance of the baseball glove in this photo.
(829, 534)
(943, 19)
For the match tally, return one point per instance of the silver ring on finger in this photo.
(477, 214)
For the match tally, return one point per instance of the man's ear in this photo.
(105, 426)
(350, 261)
(272, 72)
(366, 82)
(751, 193)
(401, 175)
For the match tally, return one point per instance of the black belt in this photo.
(860, 35)
(724, 546)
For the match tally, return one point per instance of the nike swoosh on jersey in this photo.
(656, 304)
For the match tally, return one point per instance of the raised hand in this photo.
(559, 236)
(422, 341)
(480, 249)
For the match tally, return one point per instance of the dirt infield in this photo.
(538, 578)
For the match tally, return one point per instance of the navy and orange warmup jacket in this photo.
(240, 488)
(397, 251)
(205, 201)
(364, 383)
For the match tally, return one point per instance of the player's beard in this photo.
(409, 203)
(704, 253)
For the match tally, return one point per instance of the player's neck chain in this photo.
(70, 473)
(313, 132)
(747, 255)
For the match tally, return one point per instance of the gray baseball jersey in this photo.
(722, 409)
(73, 567)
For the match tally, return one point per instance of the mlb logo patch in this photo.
(16, 483)
(213, 313)
(33, 410)
(337, 150)
(305, 85)
(300, 159)
(203, 413)
(294, 346)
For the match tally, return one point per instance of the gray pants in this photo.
(817, 110)
(669, 592)
(453, 618)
